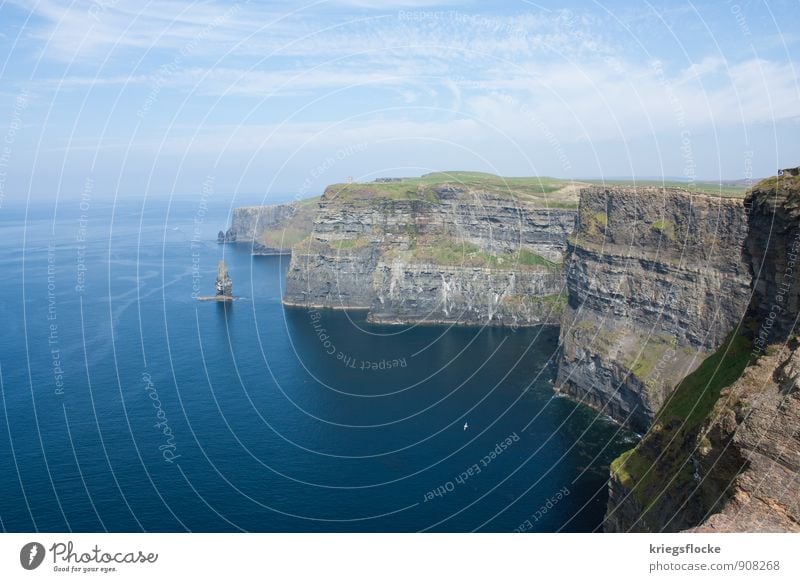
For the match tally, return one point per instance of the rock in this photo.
(727, 458)
(271, 230)
(656, 281)
(448, 253)
(223, 284)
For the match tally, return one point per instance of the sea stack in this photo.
(224, 285)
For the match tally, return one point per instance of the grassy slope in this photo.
(294, 229)
(451, 252)
(547, 192)
(661, 459)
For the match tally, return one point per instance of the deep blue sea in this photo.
(127, 405)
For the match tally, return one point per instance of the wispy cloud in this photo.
(245, 77)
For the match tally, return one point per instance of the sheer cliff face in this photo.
(656, 280)
(749, 451)
(728, 459)
(447, 254)
(271, 230)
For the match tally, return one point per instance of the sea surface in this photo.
(128, 405)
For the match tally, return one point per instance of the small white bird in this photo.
(466, 425)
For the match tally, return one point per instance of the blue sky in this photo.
(282, 97)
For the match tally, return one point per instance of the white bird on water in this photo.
(466, 425)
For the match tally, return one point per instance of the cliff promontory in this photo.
(272, 229)
(445, 248)
(656, 281)
(724, 451)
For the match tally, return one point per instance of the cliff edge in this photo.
(656, 280)
(724, 453)
(271, 229)
(461, 248)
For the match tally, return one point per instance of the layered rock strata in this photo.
(724, 453)
(272, 229)
(443, 253)
(656, 281)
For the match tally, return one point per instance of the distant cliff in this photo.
(724, 451)
(656, 281)
(273, 229)
(440, 249)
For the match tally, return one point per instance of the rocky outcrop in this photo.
(223, 284)
(748, 456)
(724, 452)
(433, 253)
(431, 293)
(270, 230)
(656, 281)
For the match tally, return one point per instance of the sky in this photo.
(277, 98)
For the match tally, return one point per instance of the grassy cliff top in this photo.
(725, 189)
(295, 228)
(538, 191)
(779, 184)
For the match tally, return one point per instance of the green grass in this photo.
(552, 305)
(600, 218)
(620, 469)
(528, 258)
(665, 227)
(661, 458)
(781, 183)
(696, 395)
(724, 189)
(541, 191)
(351, 244)
(294, 229)
(456, 252)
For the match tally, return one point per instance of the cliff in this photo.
(724, 452)
(458, 248)
(656, 281)
(271, 230)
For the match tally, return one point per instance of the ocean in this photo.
(129, 406)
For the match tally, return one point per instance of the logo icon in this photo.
(31, 555)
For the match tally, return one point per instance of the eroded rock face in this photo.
(410, 292)
(656, 281)
(453, 255)
(749, 464)
(749, 461)
(249, 223)
(733, 463)
(773, 249)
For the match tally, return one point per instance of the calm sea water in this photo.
(128, 405)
